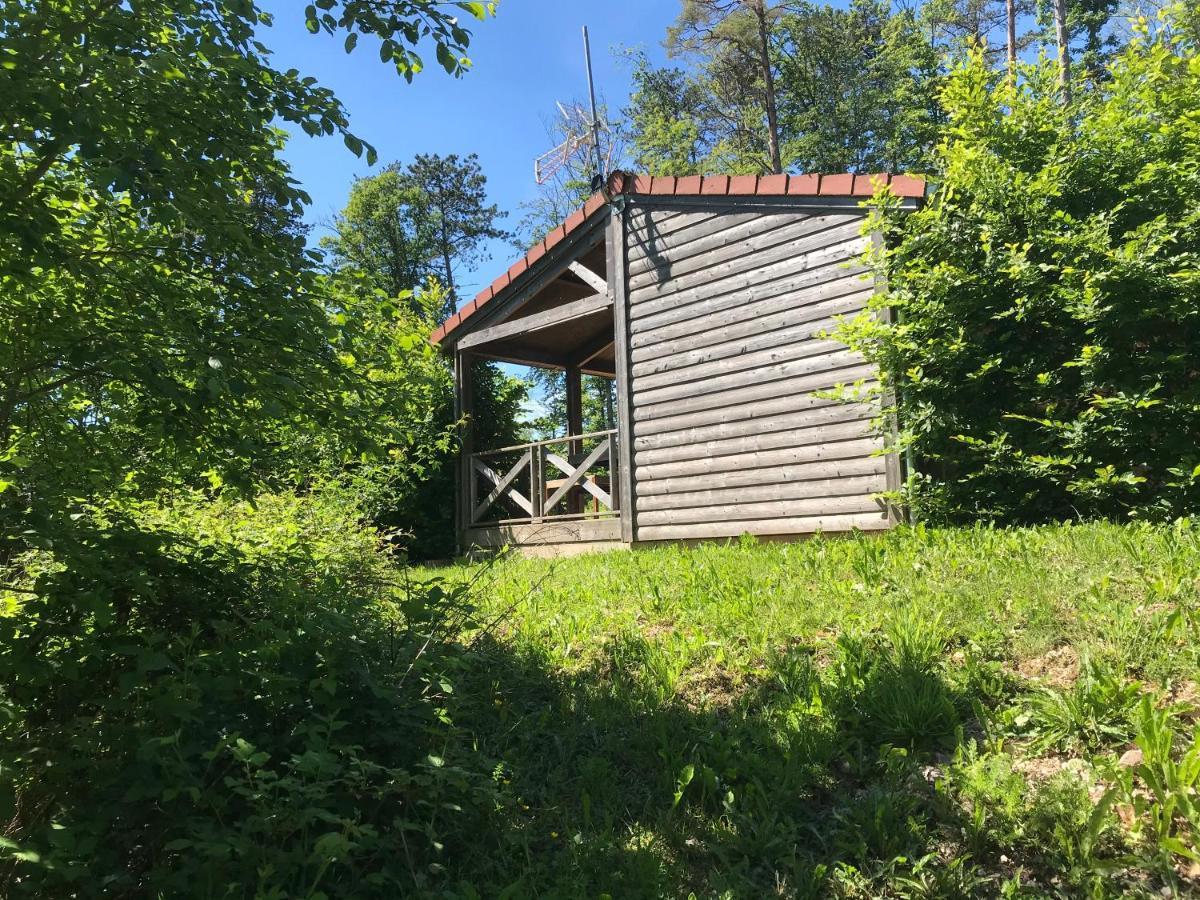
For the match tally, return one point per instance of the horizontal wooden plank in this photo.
(722, 242)
(817, 433)
(649, 247)
(762, 389)
(787, 456)
(790, 419)
(755, 324)
(835, 357)
(540, 533)
(839, 262)
(799, 525)
(797, 342)
(754, 416)
(793, 244)
(854, 486)
(663, 223)
(730, 512)
(709, 242)
(875, 466)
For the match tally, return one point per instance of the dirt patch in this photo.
(658, 629)
(1059, 668)
(1186, 694)
(1040, 769)
(711, 689)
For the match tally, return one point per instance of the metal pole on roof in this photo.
(587, 54)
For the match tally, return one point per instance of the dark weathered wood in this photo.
(799, 525)
(835, 357)
(785, 456)
(854, 485)
(731, 335)
(698, 302)
(787, 256)
(558, 315)
(576, 473)
(804, 342)
(588, 277)
(500, 486)
(617, 282)
(546, 271)
(754, 237)
(546, 533)
(778, 414)
(780, 427)
(756, 443)
(646, 253)
(789, 508)
(765, 389)
(770, 475)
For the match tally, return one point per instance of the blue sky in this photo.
(526, 58)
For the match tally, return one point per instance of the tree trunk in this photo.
(1064, 51)
(1012, 39)
(764, 49)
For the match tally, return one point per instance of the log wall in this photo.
(727, 311)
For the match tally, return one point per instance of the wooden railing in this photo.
(572, 477)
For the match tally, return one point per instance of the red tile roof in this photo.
(841, 185)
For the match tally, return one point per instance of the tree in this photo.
(459, 218)
(858, 88)
(385, 232)
(411, 222)
(157, 309)
(666, 128)
(733, 37)
(1043, 356)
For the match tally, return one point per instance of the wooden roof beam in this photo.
(558, 315)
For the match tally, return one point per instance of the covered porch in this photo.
(554, 309)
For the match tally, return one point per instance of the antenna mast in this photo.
(598, 181)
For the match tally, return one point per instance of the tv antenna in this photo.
(581, 129)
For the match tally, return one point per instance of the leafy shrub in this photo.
(1093, 713)
(1162, 790)
(893, 691)
(1046, 299)
(229, 705)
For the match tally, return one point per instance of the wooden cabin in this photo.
(706, 299)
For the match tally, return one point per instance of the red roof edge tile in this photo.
(743, 185)
(837, 185)
(908, 186)
(714, 184)
(773, 185)
(804, 186)
(500, 284)
(662, 184)
(555, 235)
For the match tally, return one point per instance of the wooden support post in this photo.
(621, 460)
(464, 410)
(574, 425)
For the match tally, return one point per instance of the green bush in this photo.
(1047, 297)
(229, 700)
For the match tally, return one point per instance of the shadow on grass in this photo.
(619, 786)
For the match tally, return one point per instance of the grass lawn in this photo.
(925, 713)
